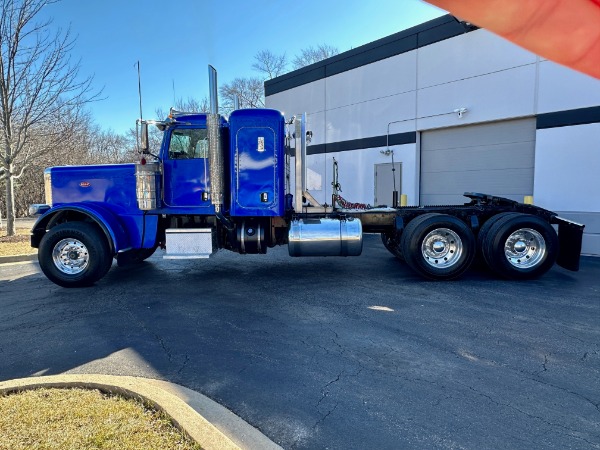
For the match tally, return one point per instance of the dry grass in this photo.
(16, 245)
(83, 419)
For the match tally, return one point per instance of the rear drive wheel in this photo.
(391, 243)
(520, 246)
(438, 246)
(74, 254)
(482, 235)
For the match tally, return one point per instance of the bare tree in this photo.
(270, 64)
(108, 147)
(191, 105)
(249, 91)
(312, 55)
(39, 86)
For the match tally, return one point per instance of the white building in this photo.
(529, 126)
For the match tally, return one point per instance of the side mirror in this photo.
(144, 137)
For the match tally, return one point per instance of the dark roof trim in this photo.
(360, 144)
(581, 116)
(427, 33)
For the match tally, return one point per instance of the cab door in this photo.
(185, 165)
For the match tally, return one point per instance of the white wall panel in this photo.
(472, 54)
(371, 118)
(282, 101)
(561, 88)
(567, 161)
(390, 76)
(497, 96)
(308, 98)
(591, 244)
(315, 122)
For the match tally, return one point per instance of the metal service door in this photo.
(494, 158)
(256, 170)
(384, 182)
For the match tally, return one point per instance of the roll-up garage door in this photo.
(493, 158)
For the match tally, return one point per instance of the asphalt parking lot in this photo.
(332, 352)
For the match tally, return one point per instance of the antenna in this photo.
(139, 87)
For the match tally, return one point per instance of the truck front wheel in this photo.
(74, 254)
(520, 246)
(438, 246)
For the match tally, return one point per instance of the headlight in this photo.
(38, 209)
(48, 186)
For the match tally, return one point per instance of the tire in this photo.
(392, 245)
(482, 235)
(438, 246)
(74, 254)
(520, 247)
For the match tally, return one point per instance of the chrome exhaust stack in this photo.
(212, 87)
(215, 148)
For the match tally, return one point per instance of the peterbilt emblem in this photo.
(85, 184)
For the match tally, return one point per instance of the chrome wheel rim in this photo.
(525, 248)
(442, 248)
(70, 256)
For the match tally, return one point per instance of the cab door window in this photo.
(188, 144)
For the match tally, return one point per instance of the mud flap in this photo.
(570, 235)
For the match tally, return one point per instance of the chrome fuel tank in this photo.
(325, 237)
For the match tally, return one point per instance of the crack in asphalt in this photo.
(185, 361)
(570, 336)
(164, 346)
(544, 366)
(142, 325)
(586, 354)
(323, 389)
(325, 393)
(322, 419)
(576, 394)
(408, 379)
(569, 433)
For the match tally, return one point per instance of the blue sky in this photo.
(175, 41)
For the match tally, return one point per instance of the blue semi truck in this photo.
(221, 183)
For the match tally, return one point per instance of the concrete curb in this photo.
(18, 258)
(205, 421)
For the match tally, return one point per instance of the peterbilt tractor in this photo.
(220, 183)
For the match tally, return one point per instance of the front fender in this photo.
(106, 220)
